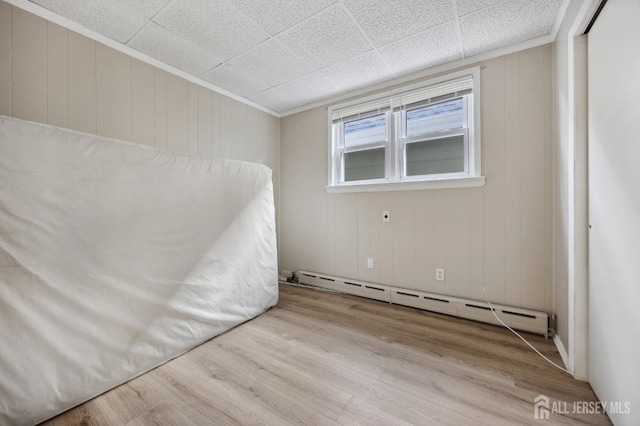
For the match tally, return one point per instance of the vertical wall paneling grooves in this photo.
(385, 238)
(498, 236)
(250, 134)
(52, 75)
(374, 235)
(440, 238)
(341, 234)
(58, 75)
(216, 123)
(549, 294)
(274, 158)
(321, 207)
(476, 250)
(82, 84)
(113, 70)
(226, 133)
(512, 226)
(404, 241)
(194, 118)
(532, 174)
(177, 115)
(353, 235)
(143, 104)
(6, 64)
(457, 244)
(205, 118)
(330, 229)
(29, 66)
(238, 130)
(322, 233)
(424, 240)
(364, 273)
(161, 109)
(494, 162)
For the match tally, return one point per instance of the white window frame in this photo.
(338, 137)
(395, 143)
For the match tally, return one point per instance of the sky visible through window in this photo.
(449, 112)
(453, 107)
(369, 123)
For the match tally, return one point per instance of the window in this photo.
(416, 137)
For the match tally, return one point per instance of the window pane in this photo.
(435, 156)
(435, 117)
(361, 165)
(365, 130)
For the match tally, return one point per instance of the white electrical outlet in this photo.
(385, 216)
(439, 274)
(370, 262)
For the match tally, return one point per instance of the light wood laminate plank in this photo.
(322, 358)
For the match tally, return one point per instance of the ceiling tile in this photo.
(104, 17)
(468, 6)
(388, 21)
(327, 38)
(234, 80)
(146, 8)
(165, 46)
(214, 25)
(507, 24)
(429, 48)
(360, 71)
(309, 88)
(275, 16)
(272, 62)
(274, 100)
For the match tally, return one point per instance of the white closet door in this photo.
(614, 208)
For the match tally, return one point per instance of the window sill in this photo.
(464, 182)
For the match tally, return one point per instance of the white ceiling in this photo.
(283, 54)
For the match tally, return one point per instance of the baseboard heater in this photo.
(517, 318)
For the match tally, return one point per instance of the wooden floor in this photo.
(326, 359)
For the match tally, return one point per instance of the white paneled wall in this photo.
(499, 235)
(52, 75)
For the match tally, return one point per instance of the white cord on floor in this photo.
(522, 338)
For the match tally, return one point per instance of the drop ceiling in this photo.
(284, 54)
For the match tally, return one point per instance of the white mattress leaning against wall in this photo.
(115, 258)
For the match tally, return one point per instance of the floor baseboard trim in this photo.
(477, 310)
(563, 353)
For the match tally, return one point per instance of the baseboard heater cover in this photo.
(344, 285)
(517, 318)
